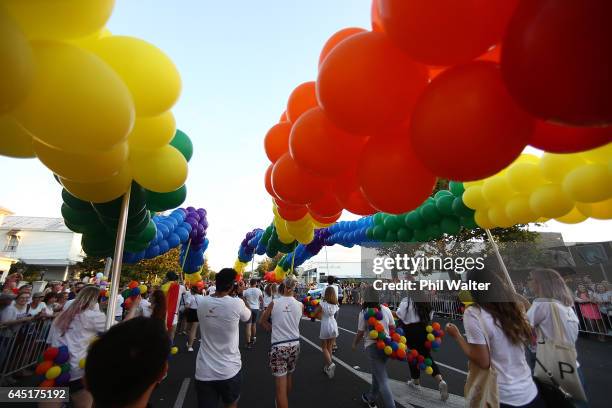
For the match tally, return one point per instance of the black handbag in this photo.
(553, 394)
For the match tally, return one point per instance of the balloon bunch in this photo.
(567, 187)
(131, 293)
(310, 306)
(93, 107)
(434, 336)
(192, 252)
(54, 367)
(271, 277)
(438, 89)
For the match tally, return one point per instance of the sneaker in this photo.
(413, 385)
(253, 341)
(367, 401)
(331, 370)
(190, 349)
(334, 349)
(443, 387)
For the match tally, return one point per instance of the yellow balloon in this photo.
(519, 211)
(467, 184)
(281, 230)
(305, 237)
(497, 215)
(161, 170)
(16, 141)
(600, 211)
(77, 102)
(572, 217)
(601, 154)
(143, 289)
(497, 190)
(550, 201)
(53, 372)
(83, 167)
(474, 199)
(527, 158)
(589, 183)
(152, 132)
(103, 191)
(555, 167)
(482, 219)
(17, 64)
(86, 42)
(150, 75)
(59, 19)
(524, 176)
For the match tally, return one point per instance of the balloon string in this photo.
(185, 259)
(293, 259)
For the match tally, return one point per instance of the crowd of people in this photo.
(506, 336)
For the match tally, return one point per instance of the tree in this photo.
(268, 264)
(89, 265)
(152, 270)
(30, 272)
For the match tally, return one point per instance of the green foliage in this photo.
(268, 264)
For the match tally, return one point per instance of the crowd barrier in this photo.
(21, 345)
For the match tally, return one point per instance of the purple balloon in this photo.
(194, 234)
(191, 209)
(192, 221)
(62, 379)
(205, 224)
(201, 229)
(202, 212)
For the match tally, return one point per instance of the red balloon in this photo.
(290, 212)
(42, 368)
(326, 206)
(366, 84)
(377, 24)
(283, 117)
(336, 39)
(319, 146)
(557, 60)
(276, 142)
(347, 191)
(392, 177)
(51, 353)
(268, 181)
(445, 32)
(466, 126)
(295, 185)
(302, 98)
(555, 138)
(326, 220)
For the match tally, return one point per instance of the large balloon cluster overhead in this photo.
(439, 88)
(95, 108)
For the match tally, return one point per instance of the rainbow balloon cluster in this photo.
(131, 293)
(567, 187)
(95, 108)
(54, 367)
(310, 306)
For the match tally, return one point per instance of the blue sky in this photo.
(239, 61)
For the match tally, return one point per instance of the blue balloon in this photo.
(182, 233)
(152, 251)
(173, 240)
(163, 246)
(187, 226)
(164, 230)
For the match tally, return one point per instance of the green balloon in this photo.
(65, 367)
(147, 234)
(182, 143)
(429, 213)
(391, 236)
(111, 210)
(379, 218)
(370, 233)
(450, 225)
(434, 231)
(95, 245)
(379, 232)
(441, 194)
(166, 201)
(404, 235)
(135, 246)
(413, 220)
(126, 293)
(420, 235)
(469, 222)
(78, 218)
(444, 204)
(456, 188)
(392, 223)
(460, 209)
(75, 203)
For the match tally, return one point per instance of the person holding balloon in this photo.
(415, 315)
(75, 327)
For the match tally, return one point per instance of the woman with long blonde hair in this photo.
(75, 328)
(329, 328)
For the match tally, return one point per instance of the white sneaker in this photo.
(413, 385)
(443, 387)
(190, 349)
(331, 370)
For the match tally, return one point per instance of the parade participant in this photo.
(174, 293)
(74, 328)
(496, 331)
(378, 360)
(331, 282)
(140, 343)
(415, 314)
(191, 313)
(286, 313)
(218, 365)
(158, 304)
(253, 297)
(329, 328)
(145, 305)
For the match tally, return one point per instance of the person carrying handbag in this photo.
(496, 331)
(557, 370)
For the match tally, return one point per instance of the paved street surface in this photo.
(312, 389)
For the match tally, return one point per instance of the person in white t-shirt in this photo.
(75, 327)
(286, 313)
(191, 314)
(38, 307)
(253, 297)
(211, 290)
(496, 331)
(218, 365)
(18, 310)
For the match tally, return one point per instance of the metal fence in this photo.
(21, 345)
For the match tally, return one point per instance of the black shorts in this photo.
(209, 392)
(254, 315)
(75, 386)
(191, 315)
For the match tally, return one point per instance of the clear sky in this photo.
(239, 61)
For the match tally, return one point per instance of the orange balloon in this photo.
(268, 181)
(302, 98)
(317, 145)
(293, 184)
(326, 220)
(276, 142)
(283, 117)
(366, 84)
(336, 39)
(347, 191)
(326, 206)
(392, 177)
(493, 55)
(375, 17)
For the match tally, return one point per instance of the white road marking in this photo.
(180, 398)
(426, 397)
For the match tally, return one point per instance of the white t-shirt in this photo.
(182, 291)
(119, 308)
(267, 300)
(386, 321)
(195, 301)
(252, 296)
(41, 308)
(211, 290)
(540, 316)
(145, 308)
(11, 313)
(85, 326)
(407, 312)
(219, 356)
(286, 316)
(516, 387)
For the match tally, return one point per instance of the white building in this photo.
(42, 242)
